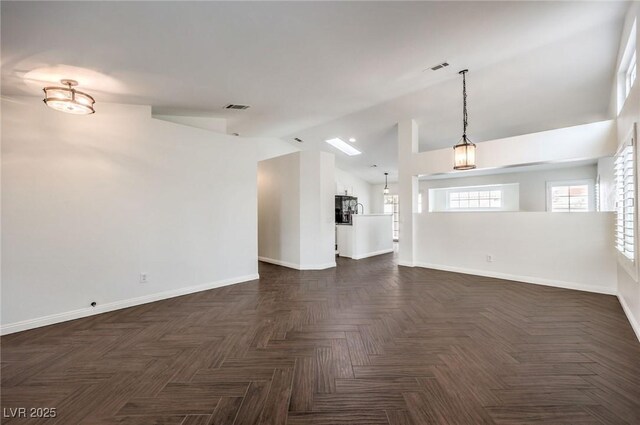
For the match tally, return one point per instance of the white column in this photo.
(407, 189)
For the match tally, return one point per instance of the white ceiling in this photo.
(318, 70)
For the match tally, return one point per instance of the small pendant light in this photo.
(386, 186)
(69, 100)
(464, 153)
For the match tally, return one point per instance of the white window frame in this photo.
(631, 75)
(628, 62)
(475, 189)
(440, 198)
(591, 206)
(630, 264)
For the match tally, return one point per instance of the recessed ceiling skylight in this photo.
(343, 146)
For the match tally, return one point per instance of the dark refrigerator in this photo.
(345, 207)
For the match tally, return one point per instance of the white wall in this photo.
(296, 210)
(317, 210)
(90, 202)
(367, 236)
(377, 196)
(543, 248)
(279, 209)
(581, 142)
(606, 174)
(270, 147)
(217, 125)
(354, 186)
(530, 246)
(628, 287)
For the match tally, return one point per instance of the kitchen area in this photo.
(360, 235)
(310, 212)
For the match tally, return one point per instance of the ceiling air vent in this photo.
(297, 139)
(439, 66)
(234, 106)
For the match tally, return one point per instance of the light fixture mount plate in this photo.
(70, 83)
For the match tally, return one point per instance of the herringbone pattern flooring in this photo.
(366, 343)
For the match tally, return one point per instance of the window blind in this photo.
(625, 201)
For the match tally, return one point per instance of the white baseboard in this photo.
(318, 266)
(630, 317)
(298, 266)
(526, 279)
(405, 263)
(372, 254)
(117, 305)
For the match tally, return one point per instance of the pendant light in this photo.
(386, 186)
(464, 153)
(69, 100)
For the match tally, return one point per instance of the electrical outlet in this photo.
(489, 258)
(144, 278)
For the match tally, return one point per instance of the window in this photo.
(391, 207)
(625, 201)
(494, 197)
(475, 199)
(627, 68)
(630, 75)
(570, 196)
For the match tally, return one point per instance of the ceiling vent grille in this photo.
(439, 66)
(238, 107)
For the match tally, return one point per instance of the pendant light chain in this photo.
(386, 184)
(465, 116)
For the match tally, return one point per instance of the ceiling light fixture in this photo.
(69, 100)
(343, 146)
(386, 186)
(352, 139)
(464, 153)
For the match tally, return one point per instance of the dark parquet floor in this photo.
(366, 343)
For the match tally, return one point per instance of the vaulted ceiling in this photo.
(317, 70)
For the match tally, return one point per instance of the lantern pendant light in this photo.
(68, 99)
(464, 153)
(386, 186)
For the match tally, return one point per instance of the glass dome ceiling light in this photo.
(69, 100)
